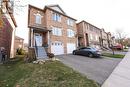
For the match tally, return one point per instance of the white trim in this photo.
(12, 44)
(8, 17)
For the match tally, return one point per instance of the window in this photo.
(57, 31)
(91, 37)
(38, 18)
(56, 17)
(70, 22)
(70, 33)
(96, 38)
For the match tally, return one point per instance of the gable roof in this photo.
(57, 8)
(59, 12)
(52, 9)
(89, 24)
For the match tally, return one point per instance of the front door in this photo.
(38, 39)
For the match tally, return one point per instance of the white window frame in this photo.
(56, 17)
(70, 22)
(91, 37)
(70, 33)
(57, 31)
(96, 38)
(38, 18)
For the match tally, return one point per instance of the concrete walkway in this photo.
(120, 77)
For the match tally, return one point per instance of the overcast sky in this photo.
(108, 14)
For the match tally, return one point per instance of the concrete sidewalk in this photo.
(120, 77)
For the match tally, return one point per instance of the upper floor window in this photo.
(70, 22)
(70, 33)
(38, 18)
(57, 31)
(56, 17)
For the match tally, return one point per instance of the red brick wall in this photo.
(6, 36)
(63, 24)
(86, 28)
(31, 16)
(48, 23)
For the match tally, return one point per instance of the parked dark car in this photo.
(87, 51)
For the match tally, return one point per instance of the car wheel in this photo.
(74, 53)
(90, 55)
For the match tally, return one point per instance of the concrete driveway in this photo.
(97, 69)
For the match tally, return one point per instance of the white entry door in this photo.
(71, 47)
(57, 48)
(38, 40)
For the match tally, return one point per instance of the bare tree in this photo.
(120, 36)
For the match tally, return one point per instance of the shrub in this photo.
(20, 51)
(50, 55)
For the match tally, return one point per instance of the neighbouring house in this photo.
(110, 40)
(88, 34)
(51, 30)
(26, 47)
(104, 39)
(19, 43)
(7, 27)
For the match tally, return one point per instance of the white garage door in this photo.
(57, 48)
(71, 47)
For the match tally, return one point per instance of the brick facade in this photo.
(45, 28)
(88, 34)
(7, 28)
(19, 43)
(6, 36)
(104, 38)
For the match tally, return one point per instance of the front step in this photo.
(41, 53)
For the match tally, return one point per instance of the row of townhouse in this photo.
(7, 27)
(90, 35)
(59, 33)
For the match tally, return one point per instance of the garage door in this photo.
(71, 47)
(57, 48)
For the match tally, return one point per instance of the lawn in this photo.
(51, 74)
(113, 56)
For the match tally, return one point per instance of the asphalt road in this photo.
(97, 69)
